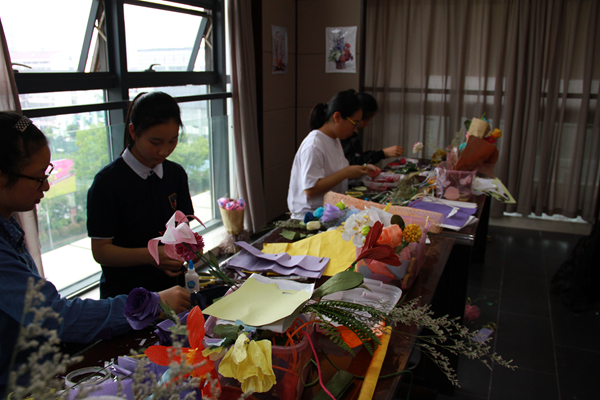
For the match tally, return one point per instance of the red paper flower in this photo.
(164, 355)
(380, 252)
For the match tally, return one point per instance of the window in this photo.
(75, 79)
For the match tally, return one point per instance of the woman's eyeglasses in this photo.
(354, 123)
(40, 180)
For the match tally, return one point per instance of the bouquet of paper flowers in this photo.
(372, 228)
(464, 160)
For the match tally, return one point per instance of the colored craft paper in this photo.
(258, 303)
(456, 216)
(329, 244)
(252, 259)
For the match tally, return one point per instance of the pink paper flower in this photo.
(178, 232)
(188, 251)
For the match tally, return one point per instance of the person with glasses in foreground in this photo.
(24, 170)
(353, 149)
(320, 165)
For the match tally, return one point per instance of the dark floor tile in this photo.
(575, 330)
(523, 384)
(525, 295)
(487, 275)
(555, 249)
(459, 396)
(474, 379)
(578, 373)
(524, 262)
(527, 340)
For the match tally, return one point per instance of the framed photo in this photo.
(280, 51)
(341, 49)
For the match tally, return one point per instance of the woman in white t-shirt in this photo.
(320, 164)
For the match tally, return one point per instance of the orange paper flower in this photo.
(391, 235)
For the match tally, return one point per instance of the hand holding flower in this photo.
(176, 297)
(167, 264)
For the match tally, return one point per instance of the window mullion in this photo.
(87, 39)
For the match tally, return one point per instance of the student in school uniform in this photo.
(132, 198)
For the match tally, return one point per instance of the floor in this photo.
(555, 349)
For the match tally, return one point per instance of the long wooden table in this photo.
(399, 349)
(451, 294)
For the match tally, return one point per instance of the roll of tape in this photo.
(87, 376)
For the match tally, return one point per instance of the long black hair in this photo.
(150, 109)
(368, 105)
(346, 103)
(18, 146)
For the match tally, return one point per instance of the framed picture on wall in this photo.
(280, 52)
(341, 49)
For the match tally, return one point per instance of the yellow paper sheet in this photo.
(326, 244)
(256, 303)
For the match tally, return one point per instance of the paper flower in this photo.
(164, 355)
(417, 147)
(249, 362)
(319, 212)
(412, 233)
(354, 225)
(391, 235)
(178, 231)
(332, 212)
(231, 204)
(163, 330)
(380, 252)
(308, 217)
(141, 308)
(188, 252)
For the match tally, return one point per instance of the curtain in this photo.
(532, 67)
(9, 101)
(249, 183)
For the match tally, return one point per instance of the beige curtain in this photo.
(9, 101)
(248, 168)
(532, 66)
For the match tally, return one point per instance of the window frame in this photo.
(117, 82)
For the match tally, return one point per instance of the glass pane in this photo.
(162, 37)
(60, 99)
(175, 91)
(193, 153)
(79, 148)
(44, 35)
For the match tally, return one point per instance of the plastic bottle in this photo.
(192, 282)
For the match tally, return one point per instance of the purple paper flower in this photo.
(164, 333)
(332, 212)
(141, 308)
